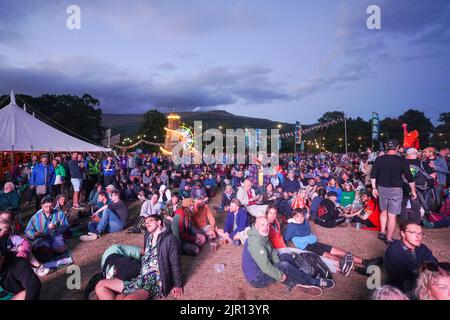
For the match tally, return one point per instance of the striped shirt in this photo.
(39, 223)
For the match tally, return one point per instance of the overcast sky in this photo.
(282, 60)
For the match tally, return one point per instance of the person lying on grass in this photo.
(299, 232)
(160, 268)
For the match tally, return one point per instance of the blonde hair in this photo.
(388, 293)
(427, 279)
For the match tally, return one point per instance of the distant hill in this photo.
(128, 124)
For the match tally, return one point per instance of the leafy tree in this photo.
(441, 134)
(153, 125)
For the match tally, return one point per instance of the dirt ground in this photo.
(203, 282)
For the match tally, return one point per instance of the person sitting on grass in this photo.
(191, 241)
(17, 279)
(160, 273)
(45, 229)
(21, 247)
(110, 218)
(236, 225)
(369, 214)
(227, 196)
(328, 214)
(262, 266)
(299, 232)
(203, 219)
(433, 282)
(149, 207)
(404, 257)
(9, 198)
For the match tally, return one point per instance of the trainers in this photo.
(89, 237)
(326, 283)
(41, 271)
(346, 264)
(374, 262)
(382, 236)
(311, 290)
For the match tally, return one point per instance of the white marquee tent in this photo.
(21, 132)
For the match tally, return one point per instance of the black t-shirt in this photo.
(75, 171)
(121, 210)
(388, 170)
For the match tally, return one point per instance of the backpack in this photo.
(423, 179)
(311, 264)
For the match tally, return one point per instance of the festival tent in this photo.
(22, 132)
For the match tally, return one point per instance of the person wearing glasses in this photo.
(404, 257)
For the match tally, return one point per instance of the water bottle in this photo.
(219, 267)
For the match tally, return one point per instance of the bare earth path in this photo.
(203, 282)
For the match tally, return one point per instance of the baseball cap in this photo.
(392, 144)
(332, 194)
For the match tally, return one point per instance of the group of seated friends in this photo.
(273, 228)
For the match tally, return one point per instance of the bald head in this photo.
(262, 226)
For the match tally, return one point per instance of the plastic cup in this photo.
(358, 225)
(219, 267)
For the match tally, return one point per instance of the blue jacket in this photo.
(441, 168)
(38, 175)
(241, 222)
(108, 172)
(300, 234)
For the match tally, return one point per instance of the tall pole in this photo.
(345, 129)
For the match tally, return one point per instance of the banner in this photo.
(375, 126)
(298, 133)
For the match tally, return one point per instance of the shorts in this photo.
(52, 243)
(318, 248)
(76, 183)
(390, 199)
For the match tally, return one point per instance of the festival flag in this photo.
(298, 133)
(375, 126)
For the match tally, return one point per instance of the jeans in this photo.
(444, 223)
(294, 276)
(109, 222)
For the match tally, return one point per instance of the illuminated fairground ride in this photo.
(176, 134)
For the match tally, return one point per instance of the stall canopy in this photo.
(21, 132)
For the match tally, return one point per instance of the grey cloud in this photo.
(211, 88)
(167, 66)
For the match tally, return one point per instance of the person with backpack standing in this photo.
(42, 177)
(93, 170)
(420, 171)
(387, 180)
(440, 167)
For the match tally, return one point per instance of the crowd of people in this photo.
(270, 211)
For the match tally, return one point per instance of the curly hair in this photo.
(429, 276)
(388, 293)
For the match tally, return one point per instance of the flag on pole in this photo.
(298, 133)
(375, 126)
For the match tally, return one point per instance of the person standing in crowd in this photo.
(76, 175)
(93, 170)
(440, 167)
(109, 172)
(42, 177)
(60, 176)
(419, 169)
(387, 180)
